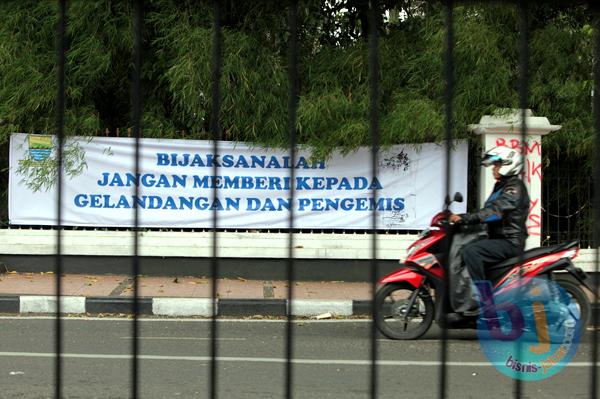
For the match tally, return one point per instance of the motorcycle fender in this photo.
(576, 272)
(567, 265)
(580, 276)
(403, 275)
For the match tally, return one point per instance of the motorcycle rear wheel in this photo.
(391, 303)
(578, 298)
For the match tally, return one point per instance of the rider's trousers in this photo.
(485, 253)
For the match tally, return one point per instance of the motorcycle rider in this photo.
(505, 213)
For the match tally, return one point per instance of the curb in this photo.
(161, 306)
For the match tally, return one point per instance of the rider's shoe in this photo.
(452, 318)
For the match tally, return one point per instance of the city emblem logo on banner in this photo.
(529, 329)
(40, 147)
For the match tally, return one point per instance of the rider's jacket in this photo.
(505, 211)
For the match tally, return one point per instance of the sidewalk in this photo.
(179, 296)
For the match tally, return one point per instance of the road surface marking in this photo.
(349, 362)
(188, 338)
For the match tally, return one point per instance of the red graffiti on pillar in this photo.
(533, 203)
(534, 169)
(515, 144)
(535, 225)
(535, 146)
(534, 221)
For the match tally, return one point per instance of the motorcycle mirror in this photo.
(458, 197)
(447, 200)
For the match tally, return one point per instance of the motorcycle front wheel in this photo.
(393, 317)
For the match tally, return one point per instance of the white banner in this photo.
(176, 185)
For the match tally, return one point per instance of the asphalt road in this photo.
(331, 361)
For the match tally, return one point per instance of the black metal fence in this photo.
(561, 214)
(567, 205)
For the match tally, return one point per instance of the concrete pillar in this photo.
(504, 128)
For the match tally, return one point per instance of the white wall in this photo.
(230, 245)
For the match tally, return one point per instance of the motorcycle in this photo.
(408, 300)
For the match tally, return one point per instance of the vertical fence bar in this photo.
(523, 94)
(579, 210)
(547, 197)
(560, 180)
(569, 234)
(293, 92)
(589, 230)
(60, 125)
(216, 135)
(448, 94)
(374, 137)
(596, 201)
(546, 233)
(136, 104)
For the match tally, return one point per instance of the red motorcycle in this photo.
(409, 299)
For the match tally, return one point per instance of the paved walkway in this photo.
(13, 283)
(179, 296)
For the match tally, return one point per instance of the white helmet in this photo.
(512, 162)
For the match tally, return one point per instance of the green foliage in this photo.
(562, 83)
(334, 101)
(43, 174)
